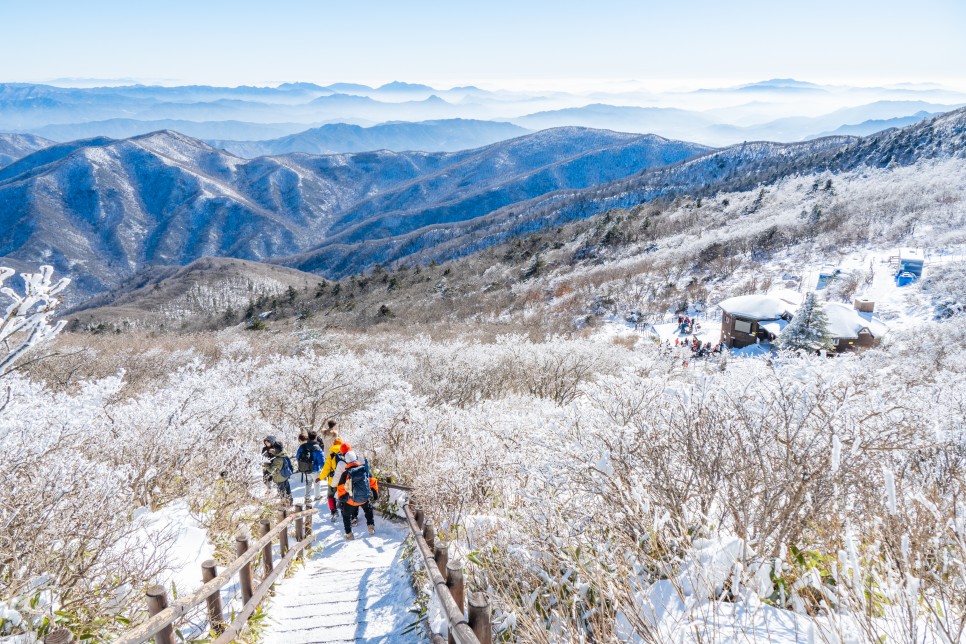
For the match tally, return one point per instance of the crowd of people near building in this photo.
(327, 460)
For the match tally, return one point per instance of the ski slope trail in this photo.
(349, 591)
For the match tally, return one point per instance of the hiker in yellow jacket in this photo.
(332, 458)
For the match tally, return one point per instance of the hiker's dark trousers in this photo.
(347, 514)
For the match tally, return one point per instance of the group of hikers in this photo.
(686, 325)
(349, 481)
(698, 348)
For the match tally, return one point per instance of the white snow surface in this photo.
(757, 307)
(845, 322)
(349, 591)
(189, 543)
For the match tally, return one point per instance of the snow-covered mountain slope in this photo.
(100, 209)
(431, 136)
(16, 146)
(208, 292)
(737, 168)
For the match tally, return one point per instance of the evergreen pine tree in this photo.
(808, 330)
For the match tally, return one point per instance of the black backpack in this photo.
(359, 476)
(306, 460)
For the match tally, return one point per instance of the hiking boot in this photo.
(349, 536)
(372, 529)
(332, 518)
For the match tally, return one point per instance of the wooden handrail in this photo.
(242, 618)
(459, 628)
(180, 607)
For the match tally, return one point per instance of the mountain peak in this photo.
(399, 86)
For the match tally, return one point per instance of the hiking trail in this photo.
(348, 591)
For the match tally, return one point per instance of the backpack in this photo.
(306, 458)
(286, 470)
(318, 457)
(360, 484)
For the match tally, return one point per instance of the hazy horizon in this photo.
(506, 45)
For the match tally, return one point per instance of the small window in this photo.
(743, 326)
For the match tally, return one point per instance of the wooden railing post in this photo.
(245, 574)
(61, 636)
(454, 581)
(283, 537)
(267, 564)
(429, 534)
(157, 602)
(216, 614)
(441, 556)
(479, 617)
(420, 517)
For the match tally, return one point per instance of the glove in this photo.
(375, 495)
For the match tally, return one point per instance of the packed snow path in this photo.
(349, 591)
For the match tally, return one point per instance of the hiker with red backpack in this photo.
(357, 488)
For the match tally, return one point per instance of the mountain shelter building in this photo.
(749, 319)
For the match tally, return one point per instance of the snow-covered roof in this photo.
(774, 326)
(911, 255)
(845, 322)
(757, 307)
(787, 295)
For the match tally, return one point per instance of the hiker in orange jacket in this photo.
(356, 488)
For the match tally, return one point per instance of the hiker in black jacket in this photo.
(309, 460)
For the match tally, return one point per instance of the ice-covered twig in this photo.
(26, 321)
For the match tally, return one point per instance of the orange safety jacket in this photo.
(341, 491)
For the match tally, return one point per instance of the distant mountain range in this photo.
(776, 110)
(428, 136)
(103, 209)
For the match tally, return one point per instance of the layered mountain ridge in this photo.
(102, 209)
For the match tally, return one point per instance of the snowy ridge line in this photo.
(448, 588)
(161, 622)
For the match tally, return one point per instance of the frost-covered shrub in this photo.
(26, 320)
(946, 284)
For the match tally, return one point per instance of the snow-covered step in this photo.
(350, 591)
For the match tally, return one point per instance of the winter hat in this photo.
(345, 447)
(350, 456)
(269, 439)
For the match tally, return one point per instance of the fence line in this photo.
(160, 625)
(472, 626)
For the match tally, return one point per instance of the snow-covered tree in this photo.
(808, 330)
(26, 321)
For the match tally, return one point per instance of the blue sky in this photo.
(496, 43)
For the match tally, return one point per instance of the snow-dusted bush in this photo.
(26, 322)
(596, 490)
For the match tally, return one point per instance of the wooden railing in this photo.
(161, 624)
(446, 577)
